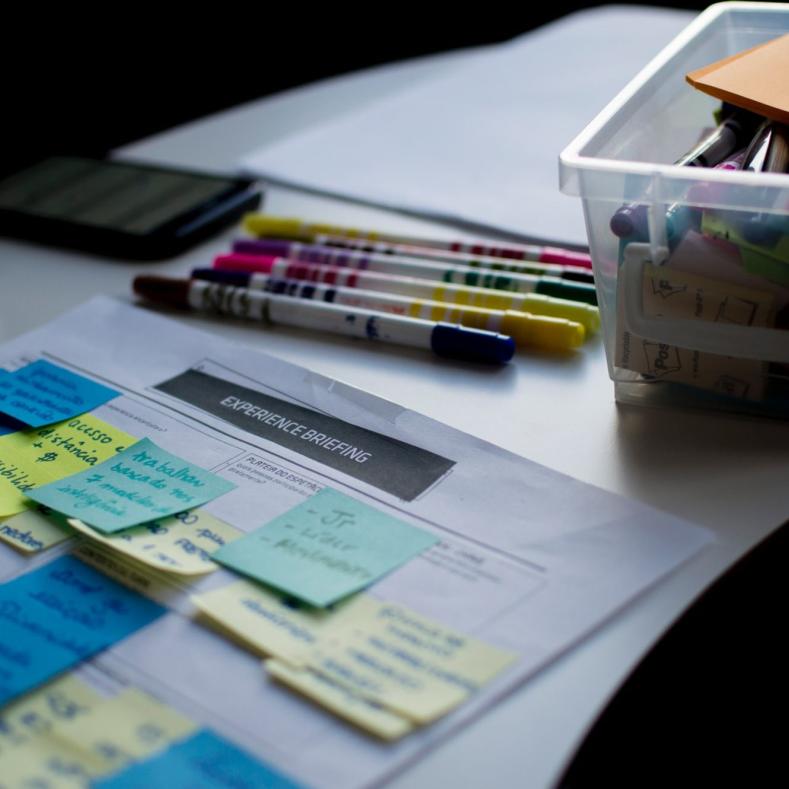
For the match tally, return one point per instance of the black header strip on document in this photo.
(398, 468)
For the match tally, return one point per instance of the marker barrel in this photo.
(442, 272)
(537, 331)
(534, 303)
(378, 261)
(323, 253)
(443, 339)
(334, 235)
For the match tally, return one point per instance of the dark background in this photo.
(86, 83)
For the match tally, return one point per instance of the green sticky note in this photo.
(325, 548)
(138, 485)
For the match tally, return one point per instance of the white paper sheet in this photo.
(529, 560)
(480, 145)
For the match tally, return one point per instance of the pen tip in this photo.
(162, 290)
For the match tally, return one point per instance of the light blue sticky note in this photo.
(58, 615)
(325, 548)
(205, 760)
(140, 484)
(42, 393)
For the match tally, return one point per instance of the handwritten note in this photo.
(204, 759)
(58, 615)
(42, 393)
(141, 484)
(59, 701)
(182, 543)
(66, 734)
(339, 700)
(35, 530)
(37, 457)
(270, 623)
(325, 548)
(413, 666)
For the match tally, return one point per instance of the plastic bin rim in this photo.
(571, 159)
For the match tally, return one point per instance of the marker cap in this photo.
(562, 289)
(264, 225)
(542, 331)
(473, 345)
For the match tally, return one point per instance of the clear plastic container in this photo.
(692, 311)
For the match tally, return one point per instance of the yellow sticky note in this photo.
(411, 665)
(339, 700)
(64, 699)
(33, 530)
(180, 544)
(48, 762)
(269, 624)
(66, 734)
(128, 727)
(136, 575)
(30, 458)
(28, 752)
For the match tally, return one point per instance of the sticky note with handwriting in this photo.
(34, 530)
(65, 734)
(269, 623)
(205, 760)
(182, 543)
(58, 615)
(42, 393)
(325, 548)
(36, 457)
(416, 667)
(141, 484)
(338, 699)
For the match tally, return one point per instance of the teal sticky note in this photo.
(58, 615)
(138, 485)
(204, 760)
(42, 393)
(325, 548)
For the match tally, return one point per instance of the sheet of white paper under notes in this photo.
(528, 560)
(480, 145)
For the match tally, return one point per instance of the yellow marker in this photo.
(391, 243)
(339, 700)
(30, 458)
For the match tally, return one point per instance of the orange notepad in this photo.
(755, 80)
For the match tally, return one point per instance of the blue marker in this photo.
(444, 339)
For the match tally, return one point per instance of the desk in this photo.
(725, 472)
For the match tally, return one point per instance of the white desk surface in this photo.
(725, 472)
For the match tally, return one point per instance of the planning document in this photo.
(491, 565)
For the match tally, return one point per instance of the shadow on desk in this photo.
(709, 702)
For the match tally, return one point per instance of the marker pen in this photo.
(440, 272)
(537, 331)
(443, 339)
(535, 303)
(294, 249)
(334, 235)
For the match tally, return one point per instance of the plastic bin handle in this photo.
(744, 342)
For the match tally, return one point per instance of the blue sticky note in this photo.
(205, 760)
(325, 548)
(140, 484)
(58, 615)
(42, 393)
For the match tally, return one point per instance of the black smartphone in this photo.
(119, 208)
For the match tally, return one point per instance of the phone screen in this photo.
(109, 195)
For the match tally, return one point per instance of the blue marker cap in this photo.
(238, 278)
(474, 345)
